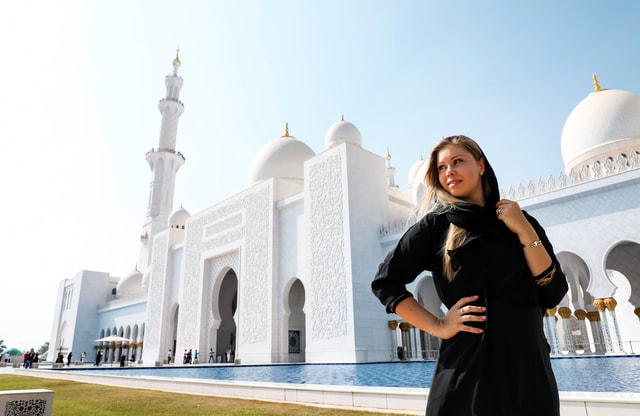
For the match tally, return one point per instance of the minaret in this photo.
(164, 163)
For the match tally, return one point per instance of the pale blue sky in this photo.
(82, 80)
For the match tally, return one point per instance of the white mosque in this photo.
(281, 271)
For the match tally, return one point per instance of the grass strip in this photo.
(82, 399)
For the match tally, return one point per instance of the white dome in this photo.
(282, 158)
(415, 169)
(605, 123)
(178, 218)
(129, 284)
(341, 132)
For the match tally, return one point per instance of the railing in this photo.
(602, 168)
(164, 149)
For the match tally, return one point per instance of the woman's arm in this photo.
(454, 321)
(537, 257)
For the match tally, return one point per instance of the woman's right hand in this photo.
(457, 319)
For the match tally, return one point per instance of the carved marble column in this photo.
(596, 332)
(551, 331)
(583, 339)
(606, 334)
(567, 345)
(393, 326)
(406, 340)
(610, 304)
(418, 338)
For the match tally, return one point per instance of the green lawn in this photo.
(83, 399)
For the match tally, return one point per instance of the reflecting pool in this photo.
(592, 374)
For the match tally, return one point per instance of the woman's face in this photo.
(460, 174)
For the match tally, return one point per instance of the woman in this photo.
(494, 269)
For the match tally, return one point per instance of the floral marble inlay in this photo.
(328, 278)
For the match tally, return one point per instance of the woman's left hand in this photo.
(510, 213)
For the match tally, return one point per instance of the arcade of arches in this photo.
(581, 325)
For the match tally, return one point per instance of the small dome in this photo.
(415, 169)
(342, 132)
(129, 284)
(605, 123)
(178, 218)
(282, 158)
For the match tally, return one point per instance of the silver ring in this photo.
(499, 211)
(462, 310)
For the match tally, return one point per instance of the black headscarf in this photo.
(485, 220)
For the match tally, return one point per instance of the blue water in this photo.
(593, 374)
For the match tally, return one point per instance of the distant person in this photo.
(196, 355)
(60, 358)
(69, 358)
(189, 356)
(123, 358)
(212, 355)
(494, 269)
(98, 358)
(228, 355)
(82, 357)
(169, 357)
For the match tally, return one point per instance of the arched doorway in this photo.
(295, 323)
(226, 306)
(622, 265)
(173, 335)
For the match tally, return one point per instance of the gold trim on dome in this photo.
(342, 117)
(286, 130)
(596, 84)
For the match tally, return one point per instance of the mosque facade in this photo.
(281, 272)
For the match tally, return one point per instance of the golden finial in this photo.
(176, 62)
(421, 158)
(596, 84)
(388, 154)
(135, 269)
(342, 117)
(286, 130)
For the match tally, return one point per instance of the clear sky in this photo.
(81, 81)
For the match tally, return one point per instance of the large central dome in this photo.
(282, 158)
(604, 124)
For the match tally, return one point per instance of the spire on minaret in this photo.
(176, 63)
(391, 171)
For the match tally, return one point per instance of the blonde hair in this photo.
(439, 200)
